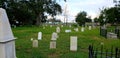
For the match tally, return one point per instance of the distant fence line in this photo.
(107, 53)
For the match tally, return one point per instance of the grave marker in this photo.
(90, 27)
(52, 44)
(7, 41)
(35, 43)
(67, 31)
(40, 36)
(73, 43)
(82, 29)
(54, 36)
(58, 29)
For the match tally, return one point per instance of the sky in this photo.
(92, 7)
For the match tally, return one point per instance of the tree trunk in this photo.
(38, 20)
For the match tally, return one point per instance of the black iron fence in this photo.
(103, 53)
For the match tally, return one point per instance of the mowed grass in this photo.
(24, 47)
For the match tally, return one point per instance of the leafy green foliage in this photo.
(81, 18)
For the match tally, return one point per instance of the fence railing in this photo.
(103, 53)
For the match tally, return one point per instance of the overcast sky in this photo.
(92, 7)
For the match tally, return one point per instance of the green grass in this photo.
(24, 47)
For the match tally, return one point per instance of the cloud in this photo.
(90, 6)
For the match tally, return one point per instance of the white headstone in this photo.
(82, 29)
(35, 43)
(54, 36)
(58, 29)
(73, 43)
(67, 31)
(90, 27)
(7, 43)
(52, 44)
(40, 36)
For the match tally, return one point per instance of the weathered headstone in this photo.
(82, 29)
(90, 27)
(67, 31)
(7, 41)
(35, 43)
(54, 36)
(70, 26)
(76, 29)
(58, 29)
(61, 25)
(73, 43)
(111, 35)
(40, 36)
(52, 44)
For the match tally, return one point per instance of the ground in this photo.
(24, 47)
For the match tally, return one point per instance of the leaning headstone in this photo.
(67, 31)
(90, 27)
(58, 29)
(73, 43)
(54, 36)
(40, 36)
(82, 29)
(52, 44)
(7, 41)
(35, 43)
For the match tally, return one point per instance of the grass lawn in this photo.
(24, 47)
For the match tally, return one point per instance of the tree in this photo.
(111, 15)
(32, 10)
(81, 18)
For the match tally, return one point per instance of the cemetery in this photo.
(42, 38)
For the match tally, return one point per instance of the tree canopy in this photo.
(32, 11)
(81, 18)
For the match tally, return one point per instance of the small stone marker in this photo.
(58, 29)
(61, 25)
(50, 25)
(7, 40)
(70, 26)
(35, 43)
(43, 27)
(73, 43)
(54, 36)
(76, 29)
(52, 44)
(90, 27)
(31, 39)
(40, 36)
(67, 31)
(82, 29)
